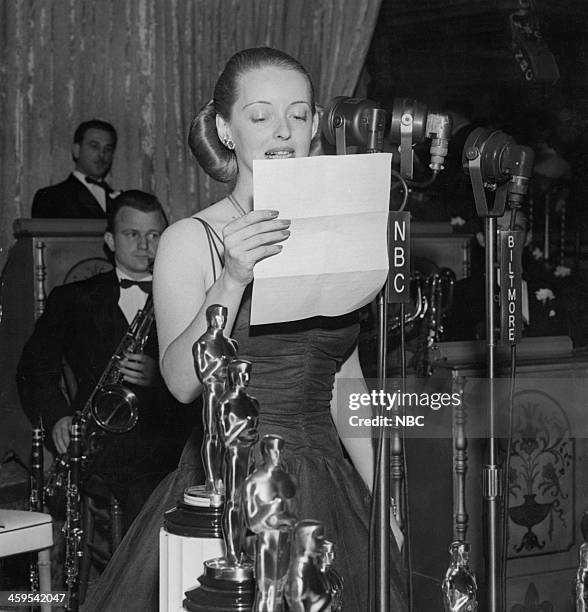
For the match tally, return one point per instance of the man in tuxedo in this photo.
(82, 325)
(84, 194)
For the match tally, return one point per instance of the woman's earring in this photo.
(229, 144)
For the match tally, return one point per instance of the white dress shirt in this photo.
(133, 298)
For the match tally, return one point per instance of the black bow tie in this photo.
(145, 286)
(92, 181)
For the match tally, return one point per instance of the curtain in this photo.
(146, 66)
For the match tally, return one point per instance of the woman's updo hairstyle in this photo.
(216, 160)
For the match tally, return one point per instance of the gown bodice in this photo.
(293, 372)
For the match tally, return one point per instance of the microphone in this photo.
(354, 122)
(412, 123)
(439, 126)
(518, 162)
(496, 162)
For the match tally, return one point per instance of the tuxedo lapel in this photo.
(106, 321)
(84, 198)
(107, 318)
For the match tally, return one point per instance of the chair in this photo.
(102, 524)
(22, 532)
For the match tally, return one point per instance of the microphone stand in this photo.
(382, 478)
(357, 122)
(491, 474)
(491, 158)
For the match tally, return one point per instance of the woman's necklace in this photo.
(233, 200)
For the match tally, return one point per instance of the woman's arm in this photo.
(359, 449)
(183, 287)
(181, 277)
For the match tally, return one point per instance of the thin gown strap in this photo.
(214, 240)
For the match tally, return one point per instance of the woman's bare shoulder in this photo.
(190, 234)
(217, 215)
(184, 238)
(188, 227)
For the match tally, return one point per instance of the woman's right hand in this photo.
(250, 239)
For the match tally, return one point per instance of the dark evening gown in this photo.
(293, 370)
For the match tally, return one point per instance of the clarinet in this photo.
(73, 520)
(36, 497)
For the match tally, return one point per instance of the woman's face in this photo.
(271, 118)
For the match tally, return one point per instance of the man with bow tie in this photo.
(84, 194)
(82, 325)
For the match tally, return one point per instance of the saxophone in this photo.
(112, 407)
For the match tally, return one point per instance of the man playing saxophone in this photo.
(82, 325)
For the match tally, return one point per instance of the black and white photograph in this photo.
(294, 305)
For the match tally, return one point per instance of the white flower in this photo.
(551, 313)
(537, 253)
(457, 221)
(562, 271)
(544, 294)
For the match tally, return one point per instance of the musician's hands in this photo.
(61, 433)
(138, 369)
(250, 239)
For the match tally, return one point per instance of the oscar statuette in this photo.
(307, 588)
(212, 353)
(192, 531)
(268, 493)
(228, 582)
(334, 580)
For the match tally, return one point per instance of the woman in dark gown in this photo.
(263, 108)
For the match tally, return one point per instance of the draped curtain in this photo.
(146, 66)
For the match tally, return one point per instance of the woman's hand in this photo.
(250, 239)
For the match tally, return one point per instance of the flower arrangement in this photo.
(544, 295)
(562, 271)
(457, 221)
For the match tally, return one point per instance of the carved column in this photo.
(460, 462)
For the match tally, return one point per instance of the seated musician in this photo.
(547, 303)
(83, 324)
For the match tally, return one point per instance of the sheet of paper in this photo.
(336, 258)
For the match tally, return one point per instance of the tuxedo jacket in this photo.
(83, 325)
(67, 200)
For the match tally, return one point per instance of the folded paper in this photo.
(336, 258)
